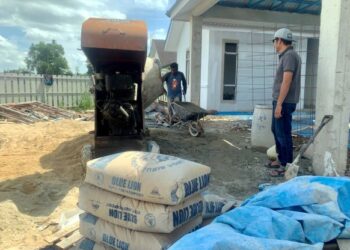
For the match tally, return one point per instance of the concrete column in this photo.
(195, 58)
(333, 85)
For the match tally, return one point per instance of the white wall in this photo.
(301, 47)
(205, 69)
(183, 46)
(257, 62)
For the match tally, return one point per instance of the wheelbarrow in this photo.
(187, 114)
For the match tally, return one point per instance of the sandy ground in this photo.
(41, 170)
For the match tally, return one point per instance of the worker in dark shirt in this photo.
(173, 80)
(286, 92)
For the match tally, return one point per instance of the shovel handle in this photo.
(324, 121)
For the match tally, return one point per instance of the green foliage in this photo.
(61, 104)
(90, 69)
(17, 71)
(47, 58)
(85, 101)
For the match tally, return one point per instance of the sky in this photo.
(24, 22)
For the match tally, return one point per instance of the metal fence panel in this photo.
(66, 91)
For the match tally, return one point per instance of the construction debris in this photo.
(30, 112)
(69, 241)
(67, 230)
(56, 237)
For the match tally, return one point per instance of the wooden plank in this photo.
(45, 109)
(66, 90)
(6, 88)
(14, 114)
(12, 90)
(343, 244)
(70, 240)
(59, 111)
(2, 89)
(61, 233)
(19, 90)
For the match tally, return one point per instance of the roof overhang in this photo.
(251, 13)
(256, 16)
(292, 6)
(182, 10)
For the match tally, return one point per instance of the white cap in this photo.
(285, 34)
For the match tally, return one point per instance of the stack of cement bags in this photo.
(139, 200)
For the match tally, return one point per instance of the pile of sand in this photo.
(40, 171)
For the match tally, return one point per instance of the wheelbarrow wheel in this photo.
(195, 129)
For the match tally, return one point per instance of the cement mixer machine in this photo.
(117, 51)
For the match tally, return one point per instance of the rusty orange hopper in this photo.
(117, 51)
(108, 42)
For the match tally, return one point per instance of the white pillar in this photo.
(195, 58)
(333, 85)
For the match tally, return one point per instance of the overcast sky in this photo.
(23, 22)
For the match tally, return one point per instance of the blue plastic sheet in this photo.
(302, 213)
(220, 236)
(263, 223)
(317, 228)
(327, 196)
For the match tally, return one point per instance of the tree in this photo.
(47, 58)
(17, 71)
(90, 69)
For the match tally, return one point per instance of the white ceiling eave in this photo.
(264, 16)
(173, 36)
(182, 10)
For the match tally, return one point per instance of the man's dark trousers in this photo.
(282, 131)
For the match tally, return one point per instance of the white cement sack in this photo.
(103, 232)
(152, 85)
(149, 177)
(215, 205)
(135, 214)
(87, 244)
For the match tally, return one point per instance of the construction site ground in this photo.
(41, 170)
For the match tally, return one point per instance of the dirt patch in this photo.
(236, 168)
(41, 170)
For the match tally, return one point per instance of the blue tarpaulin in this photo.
(302, 213)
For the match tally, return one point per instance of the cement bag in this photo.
(135, 214)
(149, 177)
(121, 238)
(152, 85)
(215, 205)
(87, 244)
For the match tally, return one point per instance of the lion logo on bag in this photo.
(155, 191)
(99, 178)
(174, 197)
(95, 205)
(150, 220)
(92, 234)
